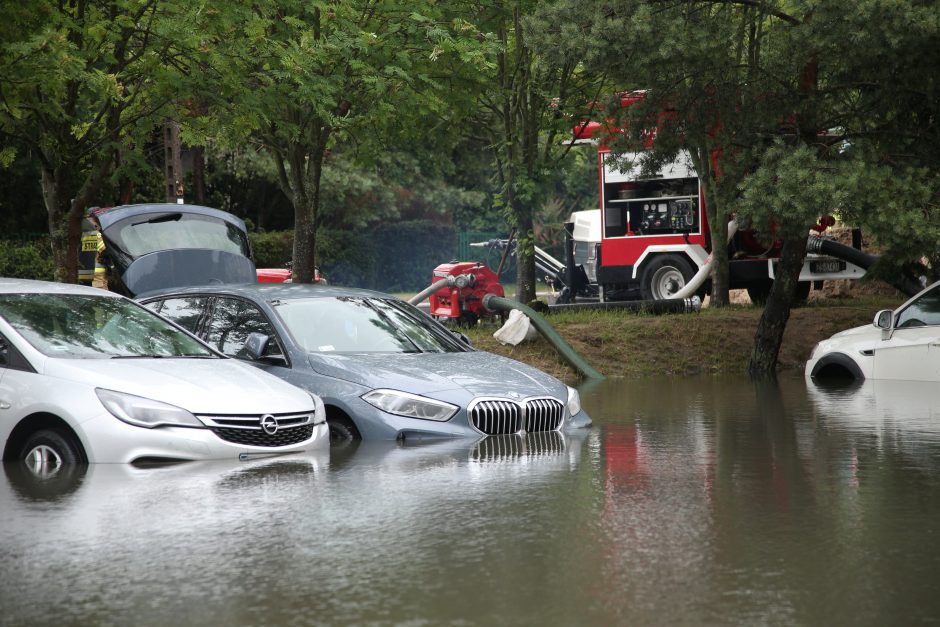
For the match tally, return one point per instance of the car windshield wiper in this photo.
(169, 217)
(139, 356)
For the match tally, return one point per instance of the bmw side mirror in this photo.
(257, 345)
(884, 320)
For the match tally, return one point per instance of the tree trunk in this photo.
(199, 175)
(525, 255)
(306, 220)
(773, 321)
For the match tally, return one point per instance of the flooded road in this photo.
(691, 501)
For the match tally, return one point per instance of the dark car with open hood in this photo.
(161, 245)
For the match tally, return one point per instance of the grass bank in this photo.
(622, 344)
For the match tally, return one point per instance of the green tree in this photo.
(769, 95)
(79, 81)
(304, 78)
(529, 108)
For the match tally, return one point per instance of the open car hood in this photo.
(186, 267)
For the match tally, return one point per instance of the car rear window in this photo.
(139, 235)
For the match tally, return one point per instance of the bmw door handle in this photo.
(4, 405)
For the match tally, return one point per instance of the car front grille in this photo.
(543, 414)
(248, 430)
(496, 416)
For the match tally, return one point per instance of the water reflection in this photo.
(748, 503)
(692, 501)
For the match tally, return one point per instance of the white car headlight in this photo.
(574, 401)
(319, 411)
(410, 405)
(145, 412)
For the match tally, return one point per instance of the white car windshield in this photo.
(89, 326)
(363, 325)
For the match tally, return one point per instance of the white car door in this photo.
(913, 351)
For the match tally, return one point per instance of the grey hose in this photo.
(430, 289)
(492, 302)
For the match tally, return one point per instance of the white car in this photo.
(902, 344)
(90, 376)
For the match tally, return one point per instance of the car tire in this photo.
(46, 451)
(342, 431)
(665, 275)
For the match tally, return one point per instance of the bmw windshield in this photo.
(363, 325)
(89, 326)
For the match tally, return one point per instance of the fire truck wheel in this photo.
(758, 292)
(665, 275)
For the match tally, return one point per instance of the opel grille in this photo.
(265, 430)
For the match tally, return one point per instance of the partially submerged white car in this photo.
(88, 375)
(901, 344)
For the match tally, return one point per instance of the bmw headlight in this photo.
(319, 411)
(410, 405)
(574, 401)
(145, 412)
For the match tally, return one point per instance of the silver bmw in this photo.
(383, 368)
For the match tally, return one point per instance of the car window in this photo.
(91, 326)
(925, 311)
(360, 325)
(12, 358)
(232, 321)
(186, 311)
(139, 235)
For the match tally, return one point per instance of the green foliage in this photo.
(26, 259)
(796, 183)
(272, 249)
(79, 83)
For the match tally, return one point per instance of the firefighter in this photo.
(100, 278)
(89, 250)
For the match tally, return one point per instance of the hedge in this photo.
(27, 259)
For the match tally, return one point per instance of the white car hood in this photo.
(866, 329)
(201, 386)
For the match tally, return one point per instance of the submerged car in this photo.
(87, 375)
(384, 369)
(902, 344)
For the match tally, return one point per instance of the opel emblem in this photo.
(269, 424)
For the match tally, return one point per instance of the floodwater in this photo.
(691, 501)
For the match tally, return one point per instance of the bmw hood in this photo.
(478, 372)
(201, 386)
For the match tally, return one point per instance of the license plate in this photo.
(822, 266)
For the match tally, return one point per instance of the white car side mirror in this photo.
(884, 320)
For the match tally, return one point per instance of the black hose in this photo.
(492, 302)
(903, 283)
(669, 305)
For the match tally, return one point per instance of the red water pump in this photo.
(462, 301)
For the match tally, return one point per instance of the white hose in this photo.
(696, 281)
(448, 282)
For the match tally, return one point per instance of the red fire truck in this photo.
(650, 235)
